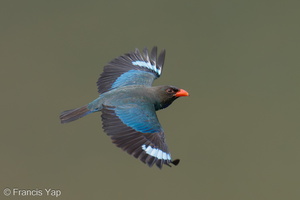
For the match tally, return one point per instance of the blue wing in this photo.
(133, 68)
(136, 130)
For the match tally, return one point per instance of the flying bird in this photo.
(129, 102)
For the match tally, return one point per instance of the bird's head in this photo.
(167, 94)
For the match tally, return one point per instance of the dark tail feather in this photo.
(71, 115)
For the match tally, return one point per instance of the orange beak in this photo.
(181, 93)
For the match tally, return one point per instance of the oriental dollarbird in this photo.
(129, 102)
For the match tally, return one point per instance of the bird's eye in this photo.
(170, 90)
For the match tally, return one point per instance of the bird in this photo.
(129, 102)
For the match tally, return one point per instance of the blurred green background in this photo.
(237, 135)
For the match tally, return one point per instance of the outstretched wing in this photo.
(136, 130)
(133, 68)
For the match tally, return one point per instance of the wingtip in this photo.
(175, 162)
(153, 55)
(146, 54)
(137, 51)
(161, 58)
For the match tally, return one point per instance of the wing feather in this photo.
(134, 68)
(149, 147)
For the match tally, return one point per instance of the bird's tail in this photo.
(71, 115)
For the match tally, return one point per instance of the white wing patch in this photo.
(157, 153)
(148, 65)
